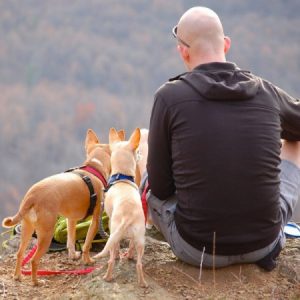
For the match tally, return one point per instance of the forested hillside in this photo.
(66, 66)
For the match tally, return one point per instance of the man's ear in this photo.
(227, 44)
(91, 139)
(113, 136)
(134, 139)
(121, 134)
(184, 53)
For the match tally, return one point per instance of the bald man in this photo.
(222, 181)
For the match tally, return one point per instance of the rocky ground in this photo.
(168, 278)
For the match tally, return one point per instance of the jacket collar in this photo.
(214, 66)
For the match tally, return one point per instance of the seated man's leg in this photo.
(162, 214)
(296, 212)
(289, 195)
(290, 181)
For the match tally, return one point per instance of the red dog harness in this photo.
(96, 173)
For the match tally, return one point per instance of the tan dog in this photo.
(138, 172)
(123, 205)
(143, 152)
(61, 194)
(142, 166)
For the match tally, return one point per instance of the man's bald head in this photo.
(201, 28)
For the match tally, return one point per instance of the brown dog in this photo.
(62, 194)
(123, 204)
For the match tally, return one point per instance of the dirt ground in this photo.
(168, 278)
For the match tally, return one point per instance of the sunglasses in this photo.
(174, 32)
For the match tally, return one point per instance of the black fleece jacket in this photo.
(214, 140)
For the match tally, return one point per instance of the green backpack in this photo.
(61, 233)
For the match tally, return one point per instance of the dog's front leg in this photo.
(71, 226)
(90, 236)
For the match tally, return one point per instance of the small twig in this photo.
(201, 264)
(187, 275)
(239, 278)
(4, 290)
(214, 259)
(235, 276)
(76, 285)
(17, 296)
(273, 292)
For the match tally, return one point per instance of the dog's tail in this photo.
(114, 238)
(12, 221)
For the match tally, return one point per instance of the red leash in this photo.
(46, 272)
(144, 201)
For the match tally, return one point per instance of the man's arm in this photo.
(159, 164)
(290, 116)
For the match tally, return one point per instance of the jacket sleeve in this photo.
(289, 115)
(159, 164)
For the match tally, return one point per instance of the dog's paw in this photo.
(127, 255)
(107, 278)
(17, 277)
(75, 255)
(143, 284)
(97, 256)
(88, 261)
(38, 282)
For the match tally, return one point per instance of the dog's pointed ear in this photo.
(134, 139)
(121, 134)
(113, 136)
(91, 138)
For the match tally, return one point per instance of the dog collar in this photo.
(96, 173)
(118, 177)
